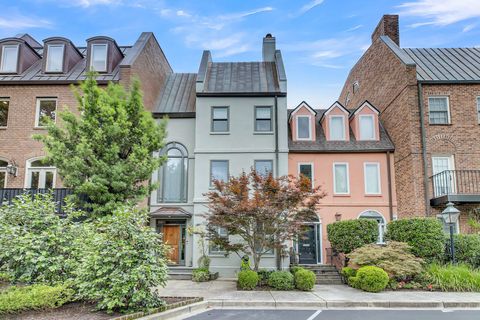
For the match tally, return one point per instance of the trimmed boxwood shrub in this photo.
(424, 235)
(348, 272)
(294, 269)
(281, 280)
(304, 279)
(247, 279)
(467, 249)
(200, 275)
(263, 276)
(346, 236)
(370, 279)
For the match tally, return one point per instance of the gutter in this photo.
(277, 167)
(390, 192)
(424, 147)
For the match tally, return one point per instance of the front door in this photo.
(171, 237)
(443, 177)
(307, 246)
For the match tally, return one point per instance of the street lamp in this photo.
(450, 216)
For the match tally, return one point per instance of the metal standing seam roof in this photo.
(321, 145)
(178, 94)
(77, 73)
(242, 77)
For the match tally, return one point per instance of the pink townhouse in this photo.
(349, 155)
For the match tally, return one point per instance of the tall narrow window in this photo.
(264, 167)
(337, 128)
(263, 119)
(478, 110)
(9, 59)
(306, 170)
(218, 170)
(3, 174)
(443, 175)
(46, 110)
(220, 121)
(40, 175)
(173, 174)
(4, 104)
(372, 178)
(340, 178)
(55, 58)
(439, 112)
(98, 59)
(304, 132)
(367, 127)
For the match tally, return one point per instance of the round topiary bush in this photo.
(346, 236)
(281, 280)
(247, 279)
(370, 279)
(348, 272)
(305, 280)
(294, 269)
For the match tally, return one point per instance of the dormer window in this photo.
(98, 60)
(367, 127)
(337, 127)
(9, 59)
(304, 131)
(55, 58)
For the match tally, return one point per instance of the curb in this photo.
(177, 312)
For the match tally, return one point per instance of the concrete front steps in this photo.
(180, 272)
(326, 274)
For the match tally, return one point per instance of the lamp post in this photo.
(450, 216)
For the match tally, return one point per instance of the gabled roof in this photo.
(170, 212)
(367, 104)
(302, 104)
(336, 104)
(178, 96)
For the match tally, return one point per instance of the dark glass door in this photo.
(307, 246)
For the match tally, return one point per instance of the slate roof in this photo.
(34, 74)
(321, 145)
(242, 77)
(178, 95)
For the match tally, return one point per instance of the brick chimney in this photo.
(388, 26)
(268, 49)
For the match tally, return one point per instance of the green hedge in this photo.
(17, 299)
(305, 279)
(424, 235)
(467, 249)
(370, 279)
(346, 236)
(200, 275)
(247, 279)
(281, 280)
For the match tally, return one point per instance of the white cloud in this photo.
(182, 13)
(354, 28)
(469, 27)
(309, 6)
(20, 22)
(241, 15)
(89, 3)
(441, 12)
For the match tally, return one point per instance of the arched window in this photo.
(173, 174)
(3, 173)
(374, 215)
(40, 174)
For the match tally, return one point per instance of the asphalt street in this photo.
(337, 315)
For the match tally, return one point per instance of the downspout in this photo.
(424, 147)
(389, 177)
(277, 167)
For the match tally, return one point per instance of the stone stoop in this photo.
(326, 274)
(180, 273)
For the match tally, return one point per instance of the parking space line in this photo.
(313, 316)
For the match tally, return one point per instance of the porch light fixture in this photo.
(338, 216)
(12, 169)
(450, 216)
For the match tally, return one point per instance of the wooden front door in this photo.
(171, 237)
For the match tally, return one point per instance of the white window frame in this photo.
(48, 53)
(478, 109)
(334, 180)
(312, 168)
(256, 119)
(37, 110)
(42, 170)
(106, 56)
(382, 228)
(449, 120)
(344, 134)
(2, 63)
(452, 186)
(309, 127)
(379, 180)
(373, 127)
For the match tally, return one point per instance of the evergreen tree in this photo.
(106, 153)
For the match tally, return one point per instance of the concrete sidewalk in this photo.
(224, 294)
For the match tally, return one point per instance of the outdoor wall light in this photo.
(12, 169)
(338, 216)
(450, 215)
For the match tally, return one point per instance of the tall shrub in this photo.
(424, 235)
(346, 236)
(122, 261)
(467, 249)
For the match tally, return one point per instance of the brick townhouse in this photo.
(35, 81)
(429, 100)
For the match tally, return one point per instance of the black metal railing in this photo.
(7, 195)
(455, 182)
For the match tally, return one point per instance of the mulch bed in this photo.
(84, 311)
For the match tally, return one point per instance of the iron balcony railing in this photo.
(7, 195)
(455, 182)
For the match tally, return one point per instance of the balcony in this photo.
(8, 194)
(458, 186)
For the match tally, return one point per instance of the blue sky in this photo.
(320, 40)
